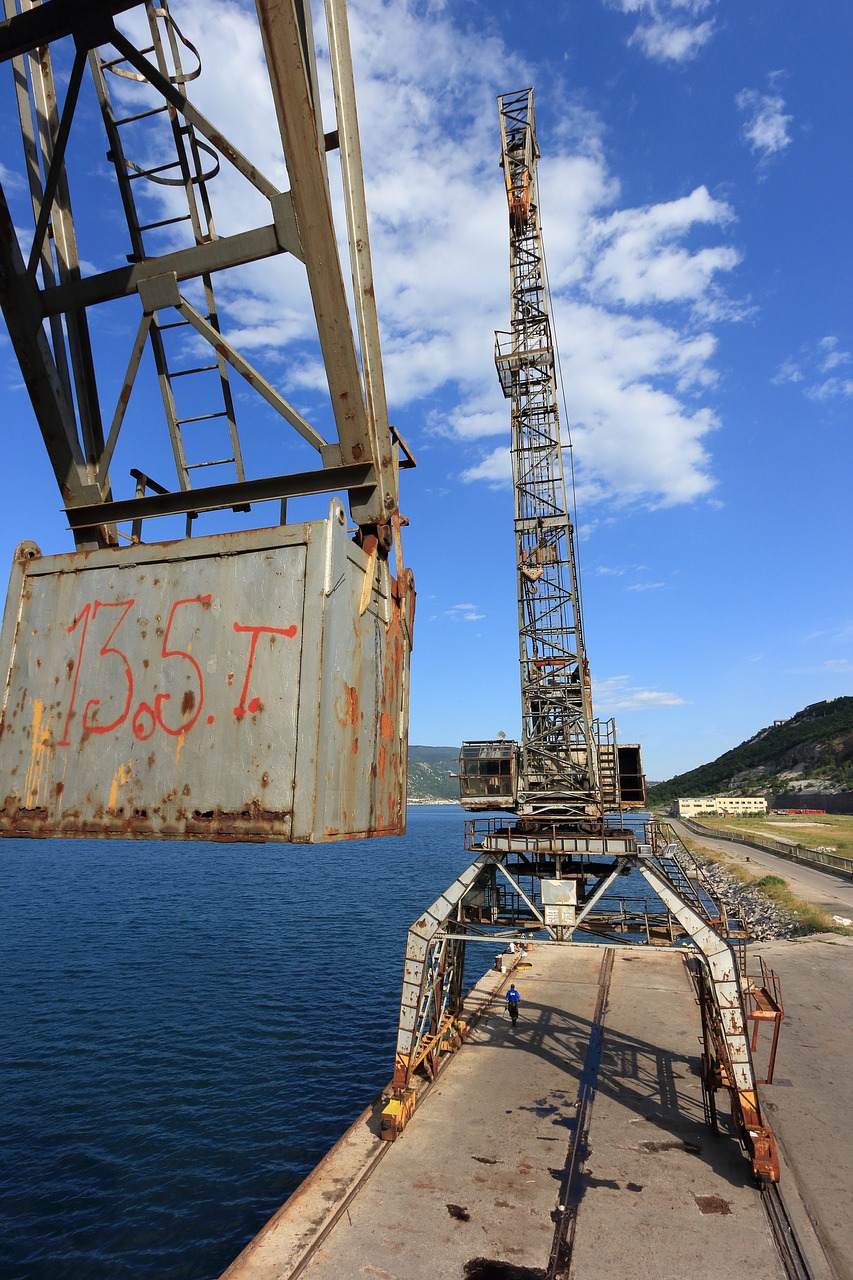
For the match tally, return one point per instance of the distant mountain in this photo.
(812, 752)
(429, 774)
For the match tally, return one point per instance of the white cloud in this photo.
(831, 389)
(464, 613)
(495, 468)
(635, 290)
(812, 365)
(765, 127)
(11, 179)
(788, 371)
(635, 438)
(647, 586)
(618, 694)
(669, 30)
(639, 258)
(830, 354)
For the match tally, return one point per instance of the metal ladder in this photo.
(186, 172)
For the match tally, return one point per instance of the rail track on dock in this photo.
(785, 1235)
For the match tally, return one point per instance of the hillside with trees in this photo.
(430, 770)
(811, 753)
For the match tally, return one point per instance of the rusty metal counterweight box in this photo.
(242, 686)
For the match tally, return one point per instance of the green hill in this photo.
(813, 751)
(429, 774)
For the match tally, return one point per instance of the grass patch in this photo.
(809, 830)
(811, 919)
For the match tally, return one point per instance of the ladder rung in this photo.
(142, 115)
(202, 368)
(202, 417)
(116, 62)
(173, 324)
(159, 168)
(167, 222)
(217, 462)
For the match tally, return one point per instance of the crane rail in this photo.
(784, 1235)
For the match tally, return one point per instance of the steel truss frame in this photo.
(431, 1022)
(45, 298)
(559, 759)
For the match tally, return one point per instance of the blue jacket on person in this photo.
(512, 996)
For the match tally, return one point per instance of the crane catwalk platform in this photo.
(591, 1102)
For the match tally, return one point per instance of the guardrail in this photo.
(793, 852)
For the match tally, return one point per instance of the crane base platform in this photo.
(519, 842)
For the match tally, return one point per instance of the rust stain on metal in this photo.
(121, 778)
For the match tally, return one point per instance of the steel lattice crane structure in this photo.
(559, 774)
(546, 871)
(568, 770)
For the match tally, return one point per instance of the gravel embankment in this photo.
(766, 921)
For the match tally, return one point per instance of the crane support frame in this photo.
(47, 293)
(474, 908)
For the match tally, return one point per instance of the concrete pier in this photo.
(530, 1118)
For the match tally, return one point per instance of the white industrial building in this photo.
(717, 806)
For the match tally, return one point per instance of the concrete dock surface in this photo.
(809, 1106)
(604, 1118)
(482, 1169)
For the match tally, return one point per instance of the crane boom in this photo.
(559, 775)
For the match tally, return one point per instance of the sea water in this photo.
(186, 1030)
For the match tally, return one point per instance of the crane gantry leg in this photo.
(431, 1021)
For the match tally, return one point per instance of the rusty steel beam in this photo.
(186, 264)
(220, 497)
(285, 28)
(359, 238)
(19, 297)
(46, 22)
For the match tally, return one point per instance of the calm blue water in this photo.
(187, 1028)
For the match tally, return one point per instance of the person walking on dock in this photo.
(513, 999)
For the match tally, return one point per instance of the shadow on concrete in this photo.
(639, 1075)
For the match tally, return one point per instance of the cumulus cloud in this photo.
(10, 178)
(831, 389)
(635, 290)
(494, 467)
(640, 259)
(616, 693)
(765, 126)
(831, 354)
(669, 30)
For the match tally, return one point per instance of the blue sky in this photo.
(695, 188)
